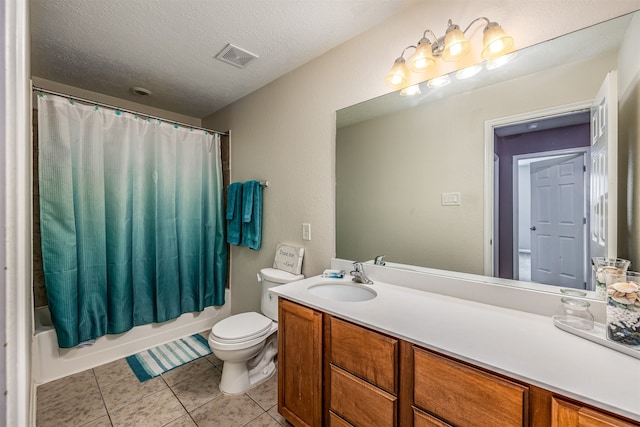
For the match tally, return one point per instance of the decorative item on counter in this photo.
(623, 308)
(577, 314)
(333, 274)
(601, 266)
(597, 335)
(573, 292)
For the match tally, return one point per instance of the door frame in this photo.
(489, 173)
(516, 213)
(16, 304)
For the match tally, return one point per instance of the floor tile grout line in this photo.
(45, 408)
(102, 396)
(180, 401)
(39, 391)
(274, 419)
(136, 401)
(188, 378)
(249, 422)
(210, 363)
(198, 407)
(255, 401)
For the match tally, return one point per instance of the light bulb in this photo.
(496, 46)
(455, 49)
(500, 61)
(470, 71)
(439, 81)
(410, 91)
(421, 63)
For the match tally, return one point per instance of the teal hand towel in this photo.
(234, 213)
(252, 214)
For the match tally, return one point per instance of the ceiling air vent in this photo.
(236, 56)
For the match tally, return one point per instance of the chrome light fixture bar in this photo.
(451, 47)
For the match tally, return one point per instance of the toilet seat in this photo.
(241, 327)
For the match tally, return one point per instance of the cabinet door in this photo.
(566, 414)
(367, 354)
(300, 364)
(464, 396)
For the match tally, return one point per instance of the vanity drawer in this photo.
(462, 395)
(367, 354)
(337, 421)
(360, 403)
(422, 419)
(567, 414)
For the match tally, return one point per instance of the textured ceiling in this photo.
(169, 46)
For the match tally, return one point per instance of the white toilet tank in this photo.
(271, 277)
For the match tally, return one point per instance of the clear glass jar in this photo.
(570, 292)
(623, 308)
(603, 266)
(577, 313)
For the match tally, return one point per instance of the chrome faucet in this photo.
(379, 260)
(358, 274)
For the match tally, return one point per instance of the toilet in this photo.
(247, 343)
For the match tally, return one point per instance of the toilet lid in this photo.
(241, 327)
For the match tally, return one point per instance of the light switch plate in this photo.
(306, 231)
(450, 199)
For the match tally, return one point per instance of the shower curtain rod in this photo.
(113, 107)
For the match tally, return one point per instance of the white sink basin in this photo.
(343, 291)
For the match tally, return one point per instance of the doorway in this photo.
(547, 149)
(550, 211)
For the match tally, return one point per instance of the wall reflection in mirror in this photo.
(482, 176)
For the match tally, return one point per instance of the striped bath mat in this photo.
(155, 361)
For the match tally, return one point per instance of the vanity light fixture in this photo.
(441, 81)
(500, 61)
(468, 72)
(398, 76)
(411, 90)
(451, 47)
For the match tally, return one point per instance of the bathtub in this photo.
(49, 362)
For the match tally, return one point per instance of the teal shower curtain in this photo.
(131, 219)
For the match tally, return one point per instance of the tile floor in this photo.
(111, 395)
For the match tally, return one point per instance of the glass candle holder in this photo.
(623, 308)
(603, 266)
(577, 313)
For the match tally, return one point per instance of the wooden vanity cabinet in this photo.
(458, 394)
(335, 373)
(299, 364)
(363, 375)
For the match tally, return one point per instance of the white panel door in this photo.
(558, 222)
(604, 170)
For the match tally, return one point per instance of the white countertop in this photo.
(518, 344)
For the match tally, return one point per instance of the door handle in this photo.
(532, 228)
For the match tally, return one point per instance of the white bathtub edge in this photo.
(50, 363)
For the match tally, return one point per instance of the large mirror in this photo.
(415, 174)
